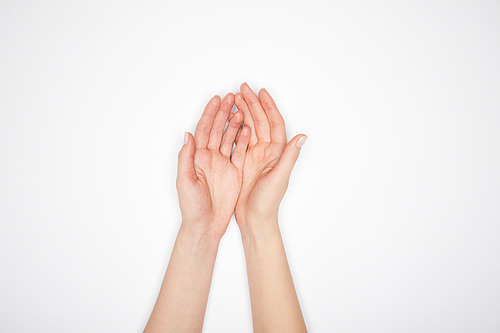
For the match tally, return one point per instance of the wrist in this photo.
(256, 230)
(199, 236)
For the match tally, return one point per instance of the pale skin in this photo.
(214, 180)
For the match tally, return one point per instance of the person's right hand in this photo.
(268, 163)
(209, 178)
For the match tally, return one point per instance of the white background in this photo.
(392, 218)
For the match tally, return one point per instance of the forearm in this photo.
(183, 296)
(275, 306)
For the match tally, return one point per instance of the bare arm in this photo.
(268, 165)
(183, 296)
(275, 307)
(208, 183)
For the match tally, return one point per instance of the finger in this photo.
(230, 134)
(220, 122)
(261, 124)
(204, 126)
(240, 151)
(242, 105)
(239, 132)
(185, 165)
(284, 167)
(276, 122)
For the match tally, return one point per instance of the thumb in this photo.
(284, 167)
(185, 167)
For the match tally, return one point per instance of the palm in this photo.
(217, 188)
(260, 160)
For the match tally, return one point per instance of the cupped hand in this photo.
(209, 177)
(268, 163)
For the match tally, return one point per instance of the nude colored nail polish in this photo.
(186, 137)
(301, 141)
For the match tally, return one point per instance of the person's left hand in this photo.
(209, 178)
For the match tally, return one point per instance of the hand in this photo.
(269, 160)
(209, 178)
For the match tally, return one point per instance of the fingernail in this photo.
(186, 137)
(301, 141)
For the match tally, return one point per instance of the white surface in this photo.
(392, 218)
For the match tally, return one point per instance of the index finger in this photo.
(204, 126)
(276, 122)
(259, 117)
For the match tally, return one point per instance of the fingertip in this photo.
(240, 102)
(214, 102)
(301, 140)
(229, 96)
(239, 99)
(239, 116)
(188, 145)
(216, 99)
(188, 138)
(245, 86)
(245, 131)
